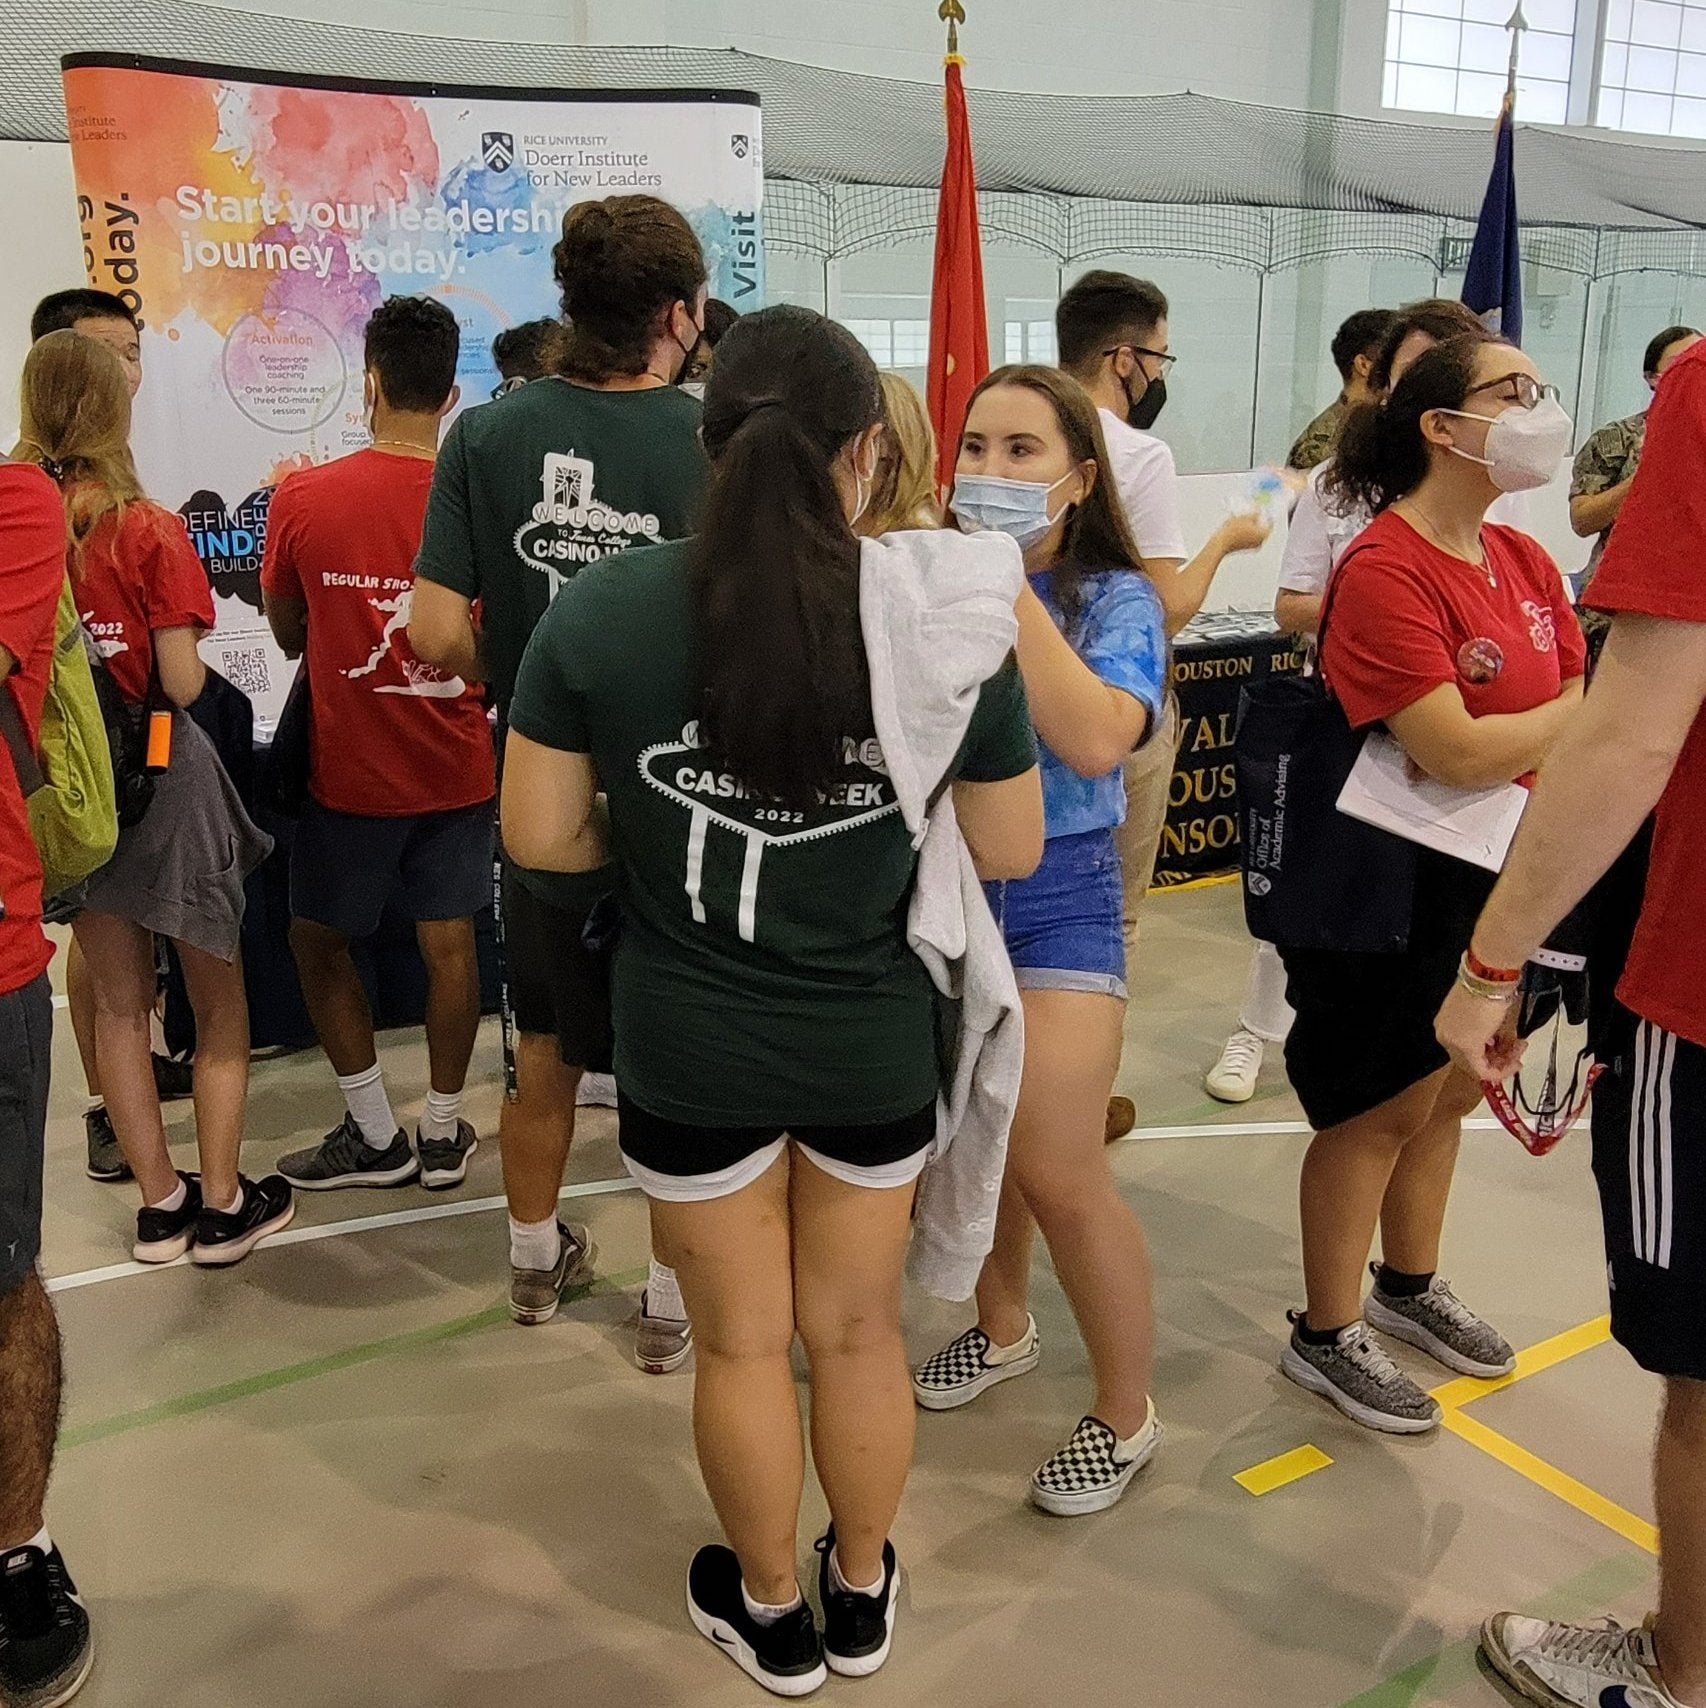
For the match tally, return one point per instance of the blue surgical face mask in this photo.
(1017, 508)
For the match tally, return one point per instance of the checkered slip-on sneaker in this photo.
(1093, 1470)
(970, 1366)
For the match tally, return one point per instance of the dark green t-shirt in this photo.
(534, 486)
(763, 976)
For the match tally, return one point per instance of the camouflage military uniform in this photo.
(1315, 443)
(1608, 459)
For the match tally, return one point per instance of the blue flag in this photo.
(1493, 285)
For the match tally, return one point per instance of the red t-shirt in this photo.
(390, 736)
(1655, 566)
(138, 574)
(32, 571)
(1406, 618)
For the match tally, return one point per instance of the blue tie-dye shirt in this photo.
(1122, 636)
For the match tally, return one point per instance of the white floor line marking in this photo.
(334, 1230)
(601, 1188)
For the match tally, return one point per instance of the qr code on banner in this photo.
(246, 668)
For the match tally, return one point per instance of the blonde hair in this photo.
(904, 492)
(75, 407)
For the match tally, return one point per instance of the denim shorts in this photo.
(1064, 925)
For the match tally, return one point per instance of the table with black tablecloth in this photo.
(1215, 658)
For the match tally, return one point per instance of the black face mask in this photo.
(1142, 413)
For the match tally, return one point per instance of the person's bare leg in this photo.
(849, 1250)
(30, 1376)
(1346, 1174)
(120, 958)
(733, 1256)
(221, 1079)
(536, 1127)
(453, 1000)
(1004, 1286)
(1680, 1477)
(334, 995)
(80, 999)
(1412, 1214)
(1058, 1161)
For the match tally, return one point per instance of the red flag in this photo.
(959, 324)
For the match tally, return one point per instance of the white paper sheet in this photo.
(1476, 825)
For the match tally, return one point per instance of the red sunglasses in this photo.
(1539, 1126)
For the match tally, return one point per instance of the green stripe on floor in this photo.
(1584, 1597)
(266, 1381)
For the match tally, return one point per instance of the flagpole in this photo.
(953, 14)
(1516, 26)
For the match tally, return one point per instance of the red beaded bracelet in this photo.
(1493, 975)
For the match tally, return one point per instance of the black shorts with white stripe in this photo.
(1649, 1157)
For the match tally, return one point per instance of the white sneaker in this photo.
(1233, 1078)
(1576, 1666)
(597, 1091)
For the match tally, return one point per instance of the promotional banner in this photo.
(1216, 659)
(254, 221)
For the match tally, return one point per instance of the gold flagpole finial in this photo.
(953, 14)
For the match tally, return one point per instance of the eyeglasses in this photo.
(1539, 1124)
(504, 387)
(1167, 362)
(1521, 389)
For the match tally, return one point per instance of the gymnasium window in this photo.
(1653, 67)
(1452, 56)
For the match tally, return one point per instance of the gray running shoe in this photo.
(535, 1294)
(444, 1162)
(661, 1344)
(345, 1158)
(1444, 1328)
(106, 1160)
(1358, 1377)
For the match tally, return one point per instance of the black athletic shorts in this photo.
(559, 986)
(1649, 1157)
(346, 867)
(690, 1164)
(26, 1045)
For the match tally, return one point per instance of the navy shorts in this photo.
(1649, 1157)
(345, 868)
(1065, 924)
(26, 1043)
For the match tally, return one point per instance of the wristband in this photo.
(1493, 990)
(1491, 975)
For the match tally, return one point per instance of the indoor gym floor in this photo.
(340, 1476)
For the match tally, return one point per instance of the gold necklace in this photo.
(430, 455)
(1439, 540)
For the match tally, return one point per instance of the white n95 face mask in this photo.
(1525, 447)
(1017, 508)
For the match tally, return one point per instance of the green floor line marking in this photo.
(266, 1381)
(1582, 1597)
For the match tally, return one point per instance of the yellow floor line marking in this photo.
(1543, 1356)
(1276, 1473)
(1554, 1481)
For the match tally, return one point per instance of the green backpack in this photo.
(67, 779)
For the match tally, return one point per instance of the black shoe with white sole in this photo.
(786, 1657)
(267, 1208)
(45, 1649)
(444, 1162)
(106, 1160)
(162, 1236)
(858, 1630)
(345, 1158)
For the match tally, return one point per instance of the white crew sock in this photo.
(41, 1540)
(173, 1200)
(838, 1581)
(365, 1094)
(443, 1110)
(230, 1209)
(663, 1295)
(760, 1613)
(534, 1245)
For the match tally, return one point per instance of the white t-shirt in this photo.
(1148, 483)
(1319, 533)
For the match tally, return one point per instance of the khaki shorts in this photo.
(1148, 778)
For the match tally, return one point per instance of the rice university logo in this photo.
(497, 149)
(741, 145)
(569, 526)
(685, 773)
